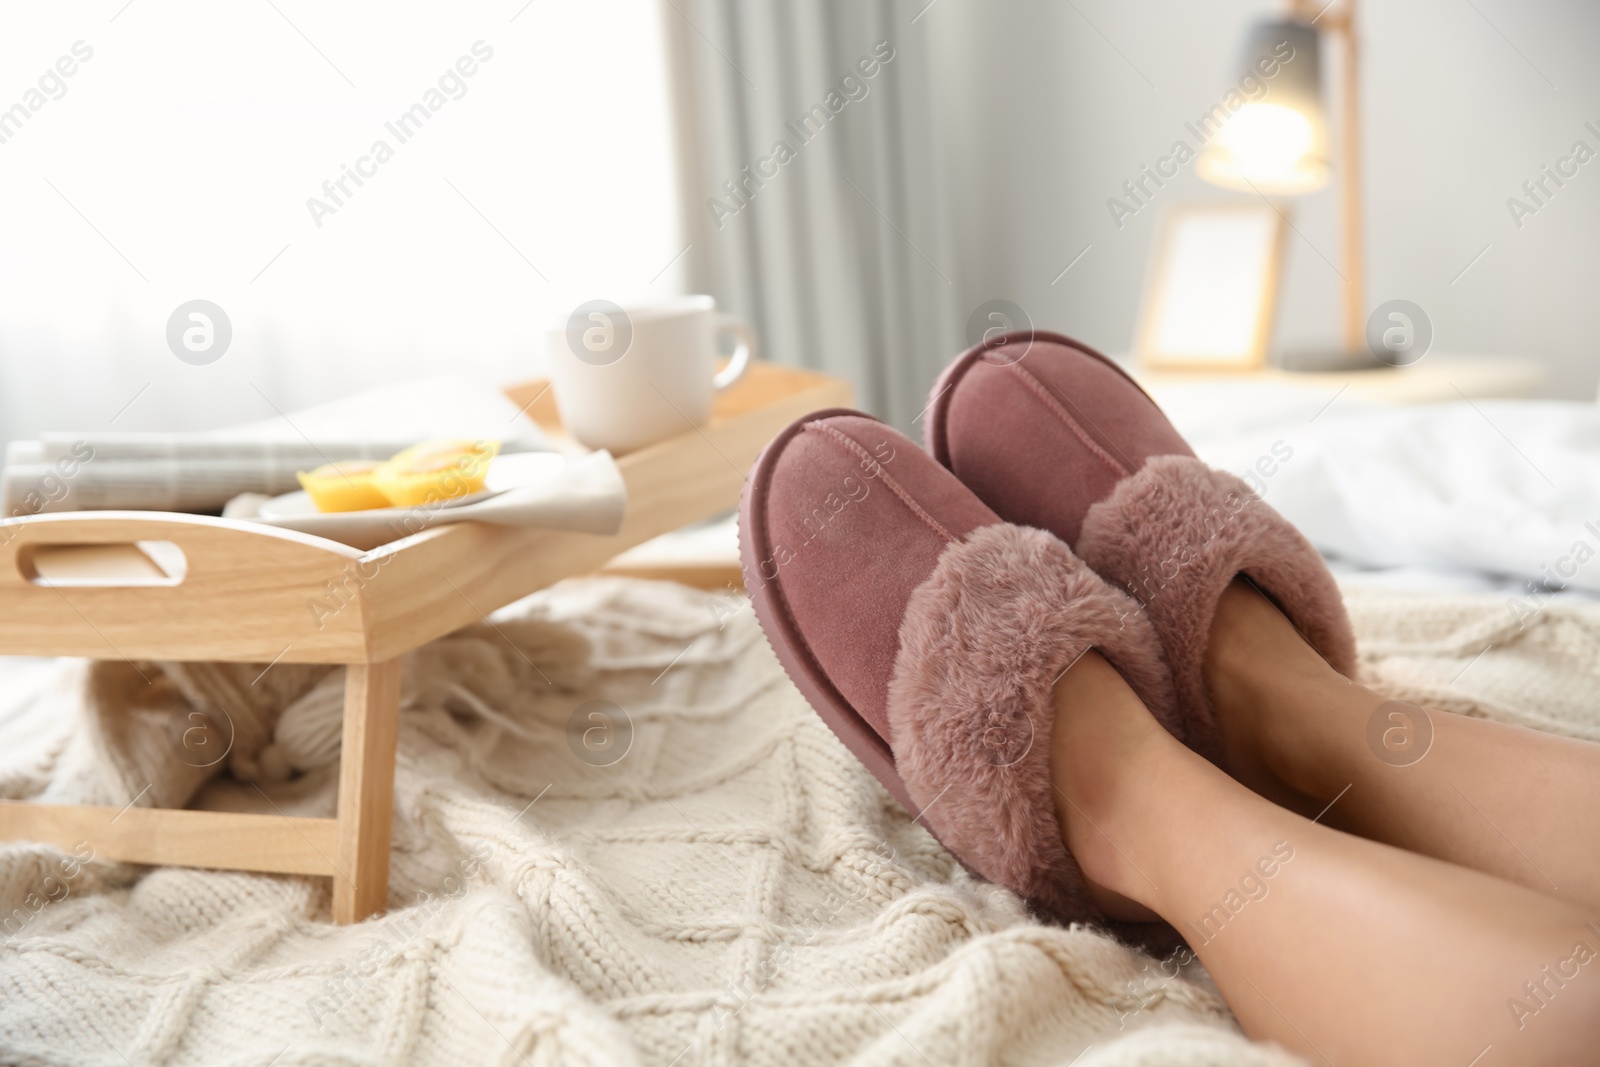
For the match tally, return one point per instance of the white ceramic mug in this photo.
(628, 377)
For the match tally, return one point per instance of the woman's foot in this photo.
(1341, 949)
(1101, 730)
(935, 661)
(1278, 702)
(1051, 434)
(1486, 795)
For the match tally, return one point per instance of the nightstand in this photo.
(1207, 405)
(1435, 377)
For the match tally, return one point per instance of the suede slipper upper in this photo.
(928, 634)
(1049, 432)
(1040, 427)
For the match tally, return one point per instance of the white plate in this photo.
(376, 526)
(505, 472)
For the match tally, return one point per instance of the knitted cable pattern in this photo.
(732, 888)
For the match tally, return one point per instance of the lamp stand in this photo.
(1355, 355)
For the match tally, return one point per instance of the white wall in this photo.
(1045, 120)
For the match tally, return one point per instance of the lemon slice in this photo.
(347, 486)
(436, 471)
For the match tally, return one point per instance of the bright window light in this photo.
(177, 161)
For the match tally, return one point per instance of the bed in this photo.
(622, 837)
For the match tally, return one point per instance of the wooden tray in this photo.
(100, 585)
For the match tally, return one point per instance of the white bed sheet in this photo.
(1447, 497)
(1483, 495)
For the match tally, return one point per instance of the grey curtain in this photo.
(812, 199)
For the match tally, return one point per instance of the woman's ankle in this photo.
(1105, 746)
(1285, 715)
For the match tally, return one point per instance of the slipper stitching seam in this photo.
(1036, 387)
(854, 447)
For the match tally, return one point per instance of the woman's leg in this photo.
(1508, 801)
(1345, 950)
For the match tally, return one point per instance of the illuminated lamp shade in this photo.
(1276, 143)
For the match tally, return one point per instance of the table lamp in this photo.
(1278, 146)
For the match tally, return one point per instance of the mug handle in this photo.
(743, 352)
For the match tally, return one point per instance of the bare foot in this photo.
(1101, 728)
(1275, 697)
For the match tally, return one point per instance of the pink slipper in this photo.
(928, 635)
(1051, 433)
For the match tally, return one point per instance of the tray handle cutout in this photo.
(108, 565)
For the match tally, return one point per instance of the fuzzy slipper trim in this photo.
(1006, 611)
(1174, 535)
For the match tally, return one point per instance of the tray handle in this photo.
(143, 548)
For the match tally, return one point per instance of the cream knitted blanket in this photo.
(657, 855)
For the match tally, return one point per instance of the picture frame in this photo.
(1212, 290)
